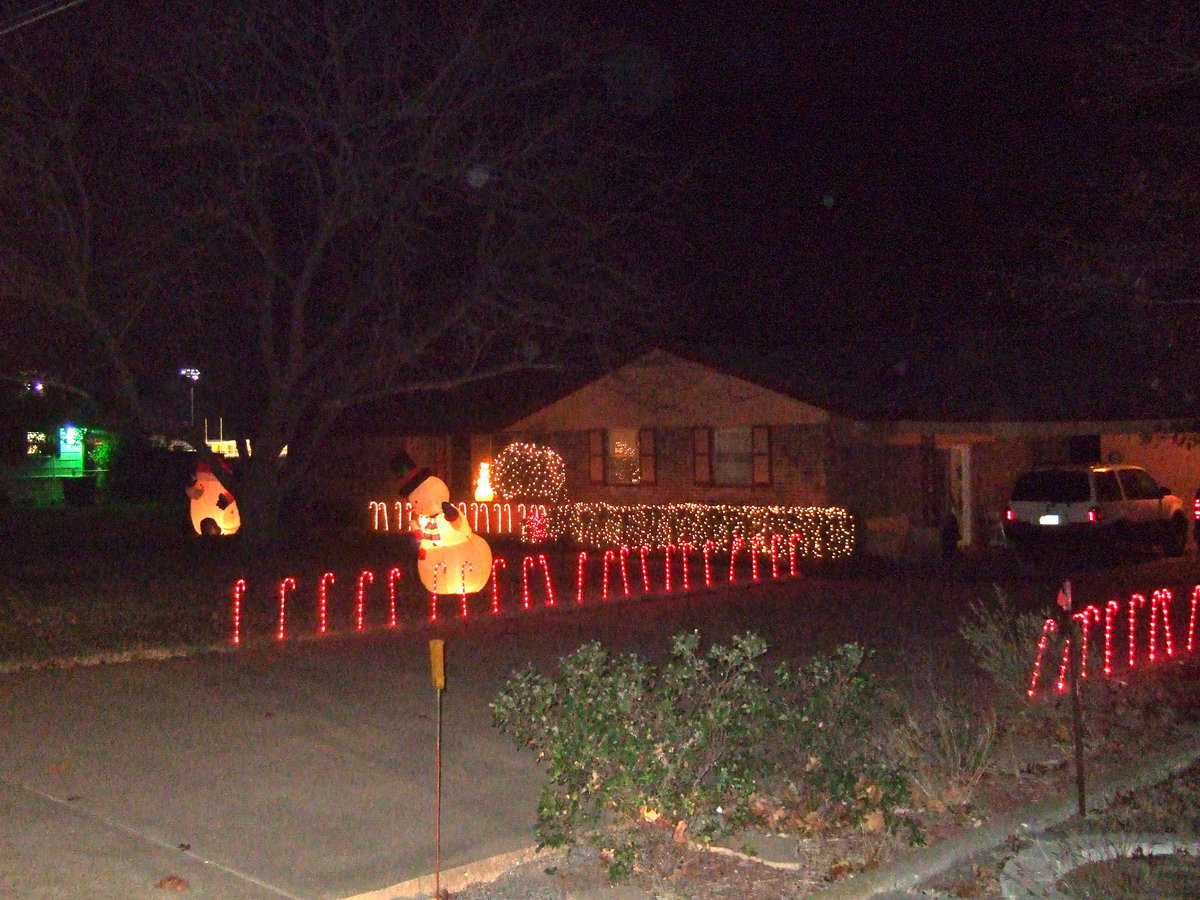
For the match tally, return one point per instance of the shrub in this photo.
(688, 743)
(1004, 644)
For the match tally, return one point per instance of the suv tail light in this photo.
(1010, 516)
(1196, 509)
(1095, 514)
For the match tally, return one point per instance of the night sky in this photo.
(863, 180)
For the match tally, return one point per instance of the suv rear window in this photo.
(1053, 486)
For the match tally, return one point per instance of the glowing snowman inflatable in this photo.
(214, 511)
(451, 558)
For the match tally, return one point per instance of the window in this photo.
(1139, 485)
(37, 443)
(732, 456)
(630, 456)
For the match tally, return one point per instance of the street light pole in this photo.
(192, 375)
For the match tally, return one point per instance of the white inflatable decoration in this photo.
(214, 509)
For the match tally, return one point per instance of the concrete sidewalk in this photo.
(302, 771)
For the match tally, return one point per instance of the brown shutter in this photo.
(702, 455)
(596, 456)
(647, 455)
(760, 448)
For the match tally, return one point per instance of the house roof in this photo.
(663, 389)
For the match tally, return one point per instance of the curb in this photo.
(908, 873)
(458, 878)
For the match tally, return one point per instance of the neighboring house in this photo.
(667, 429)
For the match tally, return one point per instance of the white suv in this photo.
(1118, 504)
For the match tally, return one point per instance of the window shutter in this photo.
(702, 455)
(760, 444)
(596, 456)
(647, 455)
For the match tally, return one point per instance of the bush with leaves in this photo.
(687, 742)
(1004, 644)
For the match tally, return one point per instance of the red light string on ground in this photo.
(526, 565)
(734, 546)
(288, 584)
(643, 551)
(467, 566)
(624, 558)
(1160, 605)
(1061, 684)
(667, 551)
(546, 572)
(1085, 617)
(239, 591)
(1192, 619)
(393, 576)
(610, 556)
(1047, 627)
(1134, 602)
(323, 602)
(709, 547)
(433, 594)
(579, 570)
(1111, 609)
(360, 603)
(497, 565)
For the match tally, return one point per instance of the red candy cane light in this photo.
(323, 602)
(734, 546)
(1134, 602)
(1047, 628)
(433, 594)
(497, 565)
(624, 557)
(288, 584)
(643, 552)
(684, 550)
(667, 551)
(1160, 605)
(709, 547)
(393, 577)
(610, 556)
(239, 591)
(580, 566)
(360, 599)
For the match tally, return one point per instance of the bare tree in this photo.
(359, 201)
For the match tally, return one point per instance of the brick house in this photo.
(667, 429)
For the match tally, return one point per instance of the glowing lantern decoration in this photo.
(483, 486)
(214, 510)
(451, 558)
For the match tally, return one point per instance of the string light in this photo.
(755, 549)
(775, 540)
(1111, 609)
(1047, 627)
(360, 600)
(610, 556)
(433, 594)
(1160, 605)
(793, 540)
(643, 551)
(467, 567)
(528, 563)
(709, 547)
(667, 550)
(1134, 602)
(393, 577)
(1085, 617)
(378, 509)
(529, 470)
(579, 570)
(497, 565)
(288, 584)
(1192, 619)
(239, 591)
(684, 550)
(830, 531)
(623, 555)
(323, 602)
(734, 547)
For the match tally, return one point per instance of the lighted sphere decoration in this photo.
(214, 510)
(530, 472)
(451, 558)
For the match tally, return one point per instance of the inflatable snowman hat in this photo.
(411, 475)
